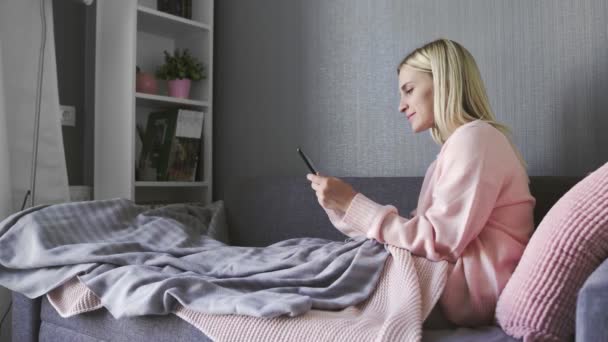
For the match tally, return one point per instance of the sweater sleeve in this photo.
(464, 194)
(337, 219)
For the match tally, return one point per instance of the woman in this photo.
(475, 209)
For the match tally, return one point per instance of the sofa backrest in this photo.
(547, 190)
(265, 210)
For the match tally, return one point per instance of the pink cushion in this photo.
(539, 301)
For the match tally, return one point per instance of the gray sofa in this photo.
(267, 210)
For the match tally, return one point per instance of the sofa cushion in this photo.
(265, 210)
(50, 332)
(100, 325)
(547, 190)
(592, 307)
(25, 319)
(482, 334)
(539, 301)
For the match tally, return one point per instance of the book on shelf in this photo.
(182, 8)
(172, 146)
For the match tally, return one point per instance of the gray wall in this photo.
(321, 74)
(69, 22)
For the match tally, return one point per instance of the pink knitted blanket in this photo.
(407, 291)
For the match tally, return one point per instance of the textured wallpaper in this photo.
(322, 74)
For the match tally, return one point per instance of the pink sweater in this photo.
(475, 210)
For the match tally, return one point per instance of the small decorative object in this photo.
(172, 145)
(186, 147)
(180, 69)
(147, 173)
(179, 88)
(182, 8)
(145, 82)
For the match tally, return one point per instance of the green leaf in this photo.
(181, 64)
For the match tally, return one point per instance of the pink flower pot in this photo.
(179, 88)
(146, 83)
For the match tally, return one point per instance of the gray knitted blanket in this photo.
(141, 261)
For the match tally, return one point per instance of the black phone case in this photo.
(307, 161)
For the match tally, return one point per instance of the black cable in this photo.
(25, 200)
(38, 102)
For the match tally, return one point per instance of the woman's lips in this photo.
(410, 116)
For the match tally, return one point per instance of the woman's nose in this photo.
(402, 107)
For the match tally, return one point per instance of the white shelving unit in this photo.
(156, 100)
(161, 23)
(171, 184)
(132, 33)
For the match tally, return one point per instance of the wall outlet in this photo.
(68, 116)
(80, 193)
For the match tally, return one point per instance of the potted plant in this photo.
(179, 70)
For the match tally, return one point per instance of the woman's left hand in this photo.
(332, 192)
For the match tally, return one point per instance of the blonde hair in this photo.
(459, 95)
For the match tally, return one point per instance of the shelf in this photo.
(131, 34)
(165, 24)
(171, 184)
(155, 100)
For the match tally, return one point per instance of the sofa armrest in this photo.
(26, 318)
(592, 307)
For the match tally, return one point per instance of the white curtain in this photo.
(5, 195)
(21, 26)
(6, 202)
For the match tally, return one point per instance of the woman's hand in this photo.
(332, 193)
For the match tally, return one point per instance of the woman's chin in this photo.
(419, 128)
(416, 128)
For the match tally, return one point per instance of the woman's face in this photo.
(416, 90)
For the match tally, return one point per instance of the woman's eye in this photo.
(409, 91)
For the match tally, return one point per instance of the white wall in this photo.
(322, 75)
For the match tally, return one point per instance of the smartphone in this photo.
(307, 161)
